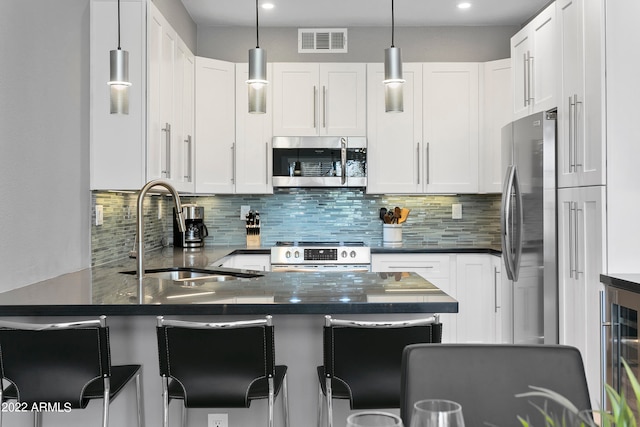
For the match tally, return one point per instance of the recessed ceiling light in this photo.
(267, 6)
(464, 5)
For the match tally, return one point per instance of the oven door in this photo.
(620, 339)
(321, 268)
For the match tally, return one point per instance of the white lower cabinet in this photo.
(580, 262)
(473, 279)
(480, 302)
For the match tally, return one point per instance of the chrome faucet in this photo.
(140, 224)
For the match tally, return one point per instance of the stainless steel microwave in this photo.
(319, 161)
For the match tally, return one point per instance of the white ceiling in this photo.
(352, 13)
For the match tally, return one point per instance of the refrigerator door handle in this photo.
(505, 219)
(519, 223)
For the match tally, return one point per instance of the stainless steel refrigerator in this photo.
(528, 225)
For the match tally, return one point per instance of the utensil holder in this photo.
(392, 234)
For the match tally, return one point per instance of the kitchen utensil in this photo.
(404, 213)
(383, 212)
(396, 214)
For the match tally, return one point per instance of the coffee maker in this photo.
(195, 232)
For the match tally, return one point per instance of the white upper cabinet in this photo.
(495, 113)
(394, 140)
(253, 139)
(450, 127)
(319, 99)
(118, 142)
(215, 126)
(535, 66)
(581, 152)
(432, 146)
(170, 92)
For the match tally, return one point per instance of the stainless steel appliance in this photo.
(319, 161)
(528, 222)
(195, 232)
(320, 256)
(620, 340)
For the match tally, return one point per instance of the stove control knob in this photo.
(288, 254)
(353, 254)
(343, 254)
(297, 254)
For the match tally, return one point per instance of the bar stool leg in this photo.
(139, 397)
(165, 402)
(285, 401)
(184, 414)
(105, 402)
(320, 404)
(37, 419)
(329, 404)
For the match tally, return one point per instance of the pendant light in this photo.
(393, 81)
(119, 77)
(257, 75)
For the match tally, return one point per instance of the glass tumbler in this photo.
(373, 419)
(437, 413)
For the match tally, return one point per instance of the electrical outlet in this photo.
(244, 210)
(99, 215)
(218, 420)
(456, 211)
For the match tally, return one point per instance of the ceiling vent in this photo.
(322, 40)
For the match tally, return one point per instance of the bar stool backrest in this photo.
(54, 363)
(367, 356)
(485, 378)
(216, 363)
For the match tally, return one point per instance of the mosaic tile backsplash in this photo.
(299, 214)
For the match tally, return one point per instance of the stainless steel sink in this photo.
(184, 275)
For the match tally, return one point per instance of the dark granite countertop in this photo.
(628, 281)
(104, 290)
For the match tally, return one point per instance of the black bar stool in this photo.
(64, 365)
(219, 365)
(362, 361)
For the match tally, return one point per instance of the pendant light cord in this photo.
(257, 27)
(392, 24)
(119, 25)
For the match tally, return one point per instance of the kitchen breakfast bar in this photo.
(297, 302)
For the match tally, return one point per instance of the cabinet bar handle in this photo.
(315, 107)
(524, 86)
(571, 134)
(324, 106)
(530, 79)
(266, 172)
(233, 162)
(167, 145)
(189, 174)
(571, 237)
(428, 165)
(418, 161)
(577, 240)
(495, 289)
(575, 131)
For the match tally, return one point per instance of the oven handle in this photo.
(279, 268)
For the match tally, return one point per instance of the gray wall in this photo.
(44, 142)
(366, 44)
